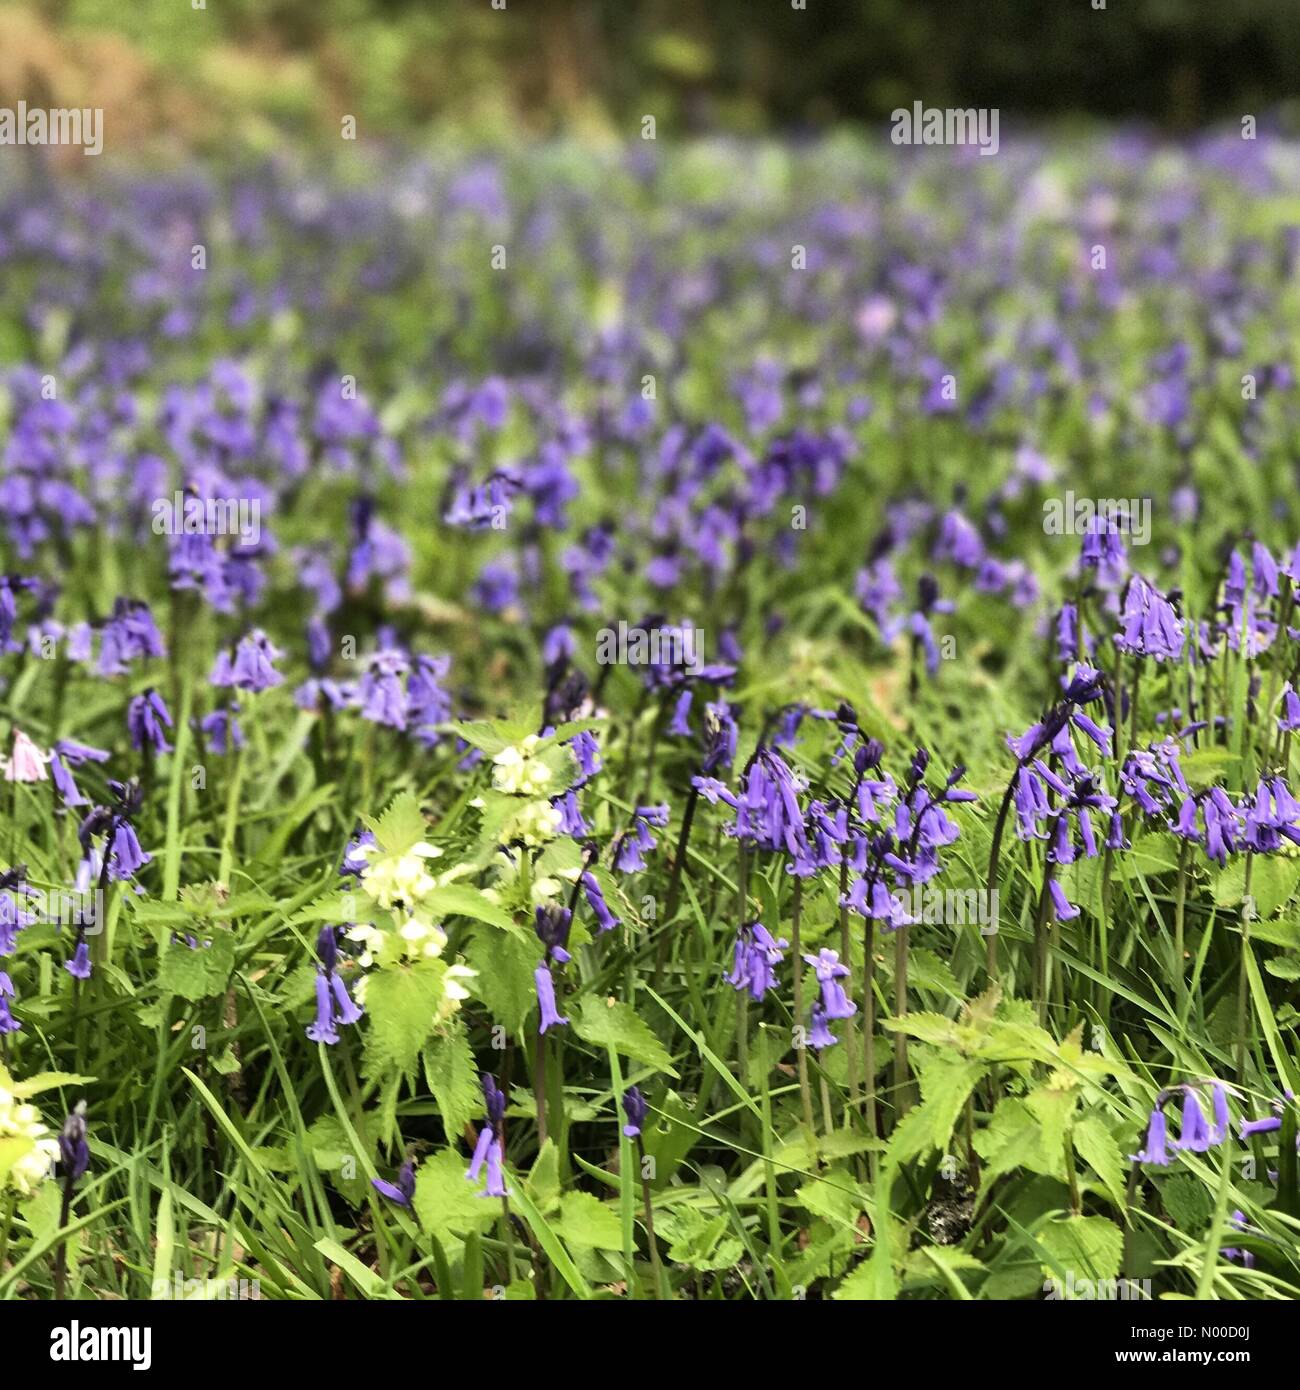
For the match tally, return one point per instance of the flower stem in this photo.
(1248, 910)
(539, 1086)
(901, 1084)
(648, 1207)
(801, 1049)
(850, 1041)
(869, 1027)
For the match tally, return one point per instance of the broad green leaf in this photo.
(401, 827)
(611, 1023)
(584, 1220)
(402, 1004)
(1090, 1247)
(1100, 1150)
(453, 1077)
(445, 1200)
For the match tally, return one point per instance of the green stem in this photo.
(801, 1049)
(901, 1084)
(1248, 911)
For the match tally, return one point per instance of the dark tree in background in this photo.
(742, 65)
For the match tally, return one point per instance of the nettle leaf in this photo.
(1089, 1247)
(947, 1080)
(1053, 1108)
(401, 827)
(452, 1074)
(833, 1198)
(332, 1152)
(696, 1239)
(13, 1149)
(670, 1136)
(1273, 882)
(927, 1027)
(1095, 1144)
(402, 1005)
(1207, 767)
(611, 1023)
(492, 735)
(1013, 1139)
(587, 1221)
(460, 900)
(505, 967)
(332, 907)
(46, 1081)
(1188, 1203)
(195, 973)
(445, 1200)
(543, 1182)
(928, 970)
(559, 859)
(1144, 860)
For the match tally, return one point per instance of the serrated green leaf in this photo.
(584, 1220)
(1101, 1151)
(1089, 1247)
(402, 1005)
(401, 827)
(611, 1023)
(445, 1200)
(452, 1074)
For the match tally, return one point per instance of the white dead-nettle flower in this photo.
(517, 773)
(21, 1121)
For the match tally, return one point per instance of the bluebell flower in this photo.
(830, 971)
(1155, 1149)
(605, 919)
(756, 955)
(74, 1152)
(819, 1035)
(334, 1006)
(489, 1149)
(8, 1023)
(634, 1107)
(403, 1191)
(145, 717)
(1149, 624)
(79, 965)
(251, 667)
(1289, 720)
(550, 1015)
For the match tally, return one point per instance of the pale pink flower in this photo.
(27, 763)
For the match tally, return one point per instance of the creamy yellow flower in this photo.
(453, 992)
(21, 1121)
(371, 939)
(422, 936)
(517, 773)
(537, 823)
(401, 878)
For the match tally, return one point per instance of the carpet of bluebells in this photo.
(704, 724)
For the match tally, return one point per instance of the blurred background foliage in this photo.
(256, 69)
